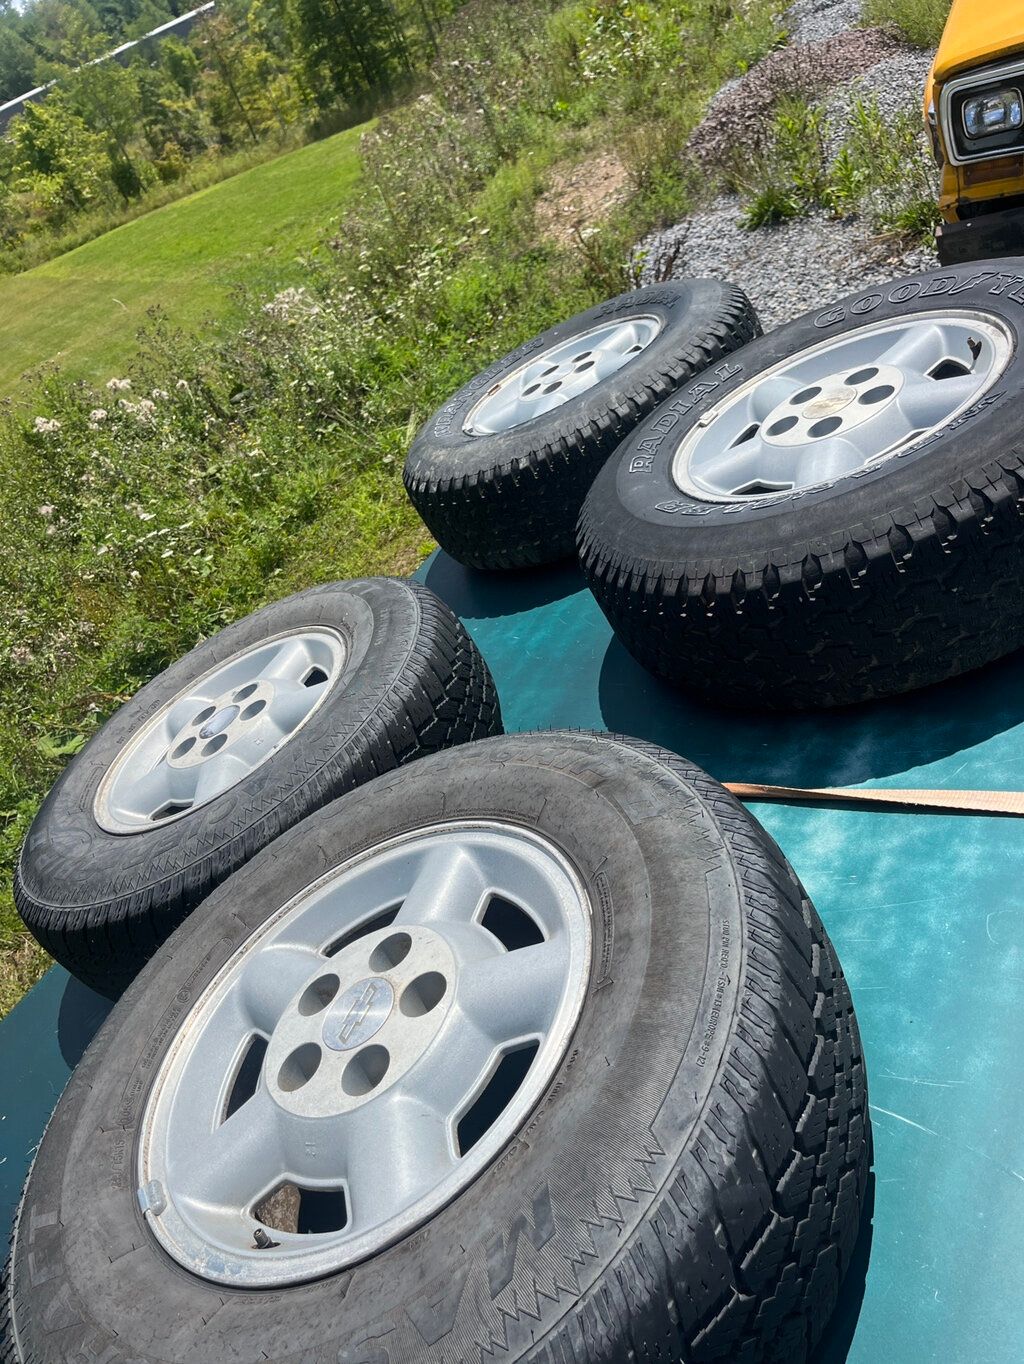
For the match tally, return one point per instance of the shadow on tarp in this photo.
(82, 1013)
(483, 596)
(42, 1040)
(823, 748)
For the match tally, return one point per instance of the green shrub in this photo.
(769, 207)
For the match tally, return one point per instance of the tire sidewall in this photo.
(604, 1136)
(635, 503)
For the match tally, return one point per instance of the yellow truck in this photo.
(974, 105)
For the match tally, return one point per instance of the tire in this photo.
(101, 902)
(886, 579)
(510, 499)
(687, 1187)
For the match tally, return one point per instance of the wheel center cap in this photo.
(833, 400)
(219, 722)
(359, 1013)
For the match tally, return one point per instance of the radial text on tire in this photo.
(499, 473)
(839, 515)
(244, 736)
(535, 1047)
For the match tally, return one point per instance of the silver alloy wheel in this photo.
(219, 729)
(842, 406)
(385, 1078)
(560, 373)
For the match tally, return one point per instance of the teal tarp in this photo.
(926, 911)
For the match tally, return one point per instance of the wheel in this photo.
(535, 1048)
(500, 472)
(838, 519)
(244, 736)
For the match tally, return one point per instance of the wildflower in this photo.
(46, 511)
(289, 302)
(181, 383)
(160, 393)
(46, 426)
(98, 414)
(144, 409)
(118, 385)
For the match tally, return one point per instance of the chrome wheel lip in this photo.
(291, 1261)
(488, 416)
(109, 809)
(685, 467)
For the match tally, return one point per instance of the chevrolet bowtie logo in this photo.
(359, 1013)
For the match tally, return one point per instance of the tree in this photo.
(17, 61)
(224, 80)
(58, 158)
(348, 49)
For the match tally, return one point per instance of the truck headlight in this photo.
(981, 113)
(993, 114)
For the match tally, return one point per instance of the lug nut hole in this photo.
(184, 747)
(862, 376)
(252, 711)
(780, 428)
(826, 427)
(244, 692)
(390, 952)
(318, 995)
(365, 1071)
(877, 395)
(215, 745)
(804, 396)
(423, 994)
(299, 1068)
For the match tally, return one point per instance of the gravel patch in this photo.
(896, 84)
(809, 21)
(804, 69)
(794, 268)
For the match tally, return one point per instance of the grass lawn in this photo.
(83, 309)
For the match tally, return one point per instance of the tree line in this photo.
(109, 130)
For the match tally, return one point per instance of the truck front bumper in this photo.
(989, 234)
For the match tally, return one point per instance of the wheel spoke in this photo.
(513, 995)
(397, 1149)
(917, 349)
(183, 713)
(290, 661)
(826, 459)
(925, 403)
(217, 773)
(449, 884)
(755, 461)
(273, 977)
(290, 705)
(766, 396)
(164, 785)
(241, 1159)
(453, 1068)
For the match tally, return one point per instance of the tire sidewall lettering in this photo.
(645, 487)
